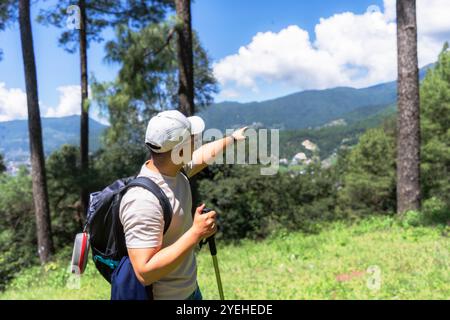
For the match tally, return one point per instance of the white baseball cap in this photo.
(169, 129)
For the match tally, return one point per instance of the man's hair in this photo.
(152, 147)
(155, 155)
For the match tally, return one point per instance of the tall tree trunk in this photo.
(185, 58)
(186, 73)
(84, 119)
(408, 119)
(40, 195)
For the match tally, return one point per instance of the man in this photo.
(168, 262)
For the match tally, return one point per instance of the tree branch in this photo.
(105, 11)
(166, 43)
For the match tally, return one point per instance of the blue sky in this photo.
(260, 49)
(226, 25)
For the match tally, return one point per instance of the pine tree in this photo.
(185, 58)
(435, 130)
(8, 14)
(94, 16)
(40, 195)
(408, 119)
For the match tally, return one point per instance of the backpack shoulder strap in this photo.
(151, 186)
(183, 172)
(193, 194)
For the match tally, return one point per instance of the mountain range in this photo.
(14, 142)
(303, 109)
(298, 111)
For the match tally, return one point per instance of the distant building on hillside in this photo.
(334, 123)
(309, 145)
(300, 158)
(13, 167)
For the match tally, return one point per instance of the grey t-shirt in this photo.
(143, 222)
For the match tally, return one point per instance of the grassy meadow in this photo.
(375, 258)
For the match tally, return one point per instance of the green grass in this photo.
(414, 263)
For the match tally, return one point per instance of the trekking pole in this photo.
(213, 250)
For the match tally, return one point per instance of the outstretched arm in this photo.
(207, 153)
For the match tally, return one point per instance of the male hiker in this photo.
(167, 262)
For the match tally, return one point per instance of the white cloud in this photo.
(230, 93)
(349, 49)
(69, 102)
(13, 104)
(284, 56)
(363, 47)
(432, 18)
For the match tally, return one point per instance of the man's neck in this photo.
(166, 169)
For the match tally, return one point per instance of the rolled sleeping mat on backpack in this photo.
(80, 253)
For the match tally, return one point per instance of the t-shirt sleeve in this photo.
(142, 218)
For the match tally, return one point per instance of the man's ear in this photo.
(181, 153)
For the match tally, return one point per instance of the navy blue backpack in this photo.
(107, 239)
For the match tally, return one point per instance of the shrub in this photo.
(412, 218)
(435, 129)
(436, 210)
(369, 178)
(253, 206)
(17, 227)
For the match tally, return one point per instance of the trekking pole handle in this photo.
(206, 210)
(211, 241)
